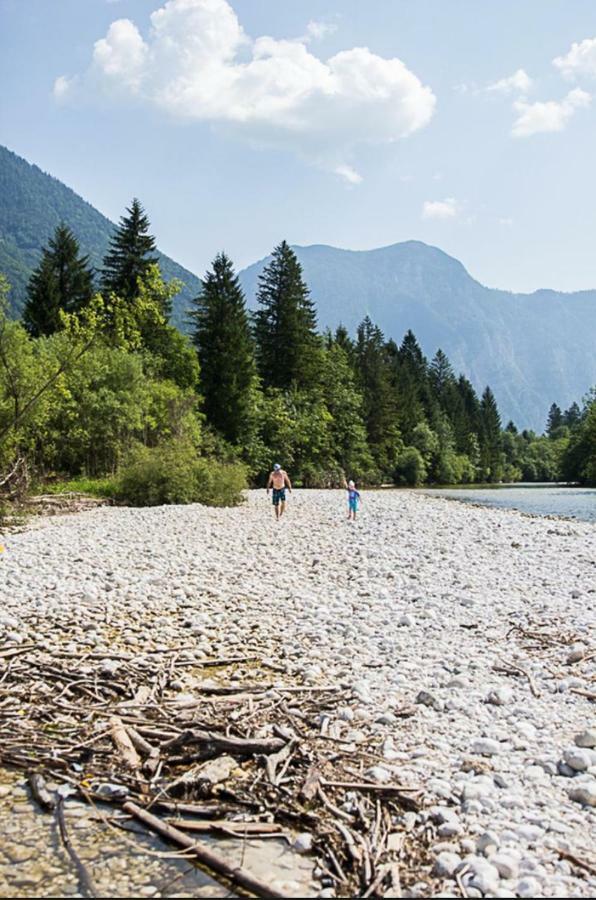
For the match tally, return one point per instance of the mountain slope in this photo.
(532, 349)
(32, 203)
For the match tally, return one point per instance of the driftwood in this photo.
(40, 793)
(210, 740)
(87, 887)
(124, 745)
(248, 759)
(206, 857)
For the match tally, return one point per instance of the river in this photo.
(538, 499)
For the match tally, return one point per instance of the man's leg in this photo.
(276, 507)
(282, 508)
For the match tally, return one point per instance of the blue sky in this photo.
(467, 125)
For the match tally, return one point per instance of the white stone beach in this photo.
(482, 619)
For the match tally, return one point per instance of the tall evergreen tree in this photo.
(379, 398)
(555, 420)
(226, 352)
(129, 255)
(63, 280)
(285, 324)
(490, 437)
(572, 416)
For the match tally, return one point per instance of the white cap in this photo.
(351, 484)
(277, 466)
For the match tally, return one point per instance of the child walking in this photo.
(353, 499)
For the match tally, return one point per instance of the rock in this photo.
(586, 738)
(485, 747)
(500, 696)
(505, 864)
(427, 699)
(303, 842)
(109, 667)
(576, 654)
(446, 863)
(485, 877)
(406, 620)
(486, 840)
(528, 887)
(584, 793)
(577, 759)
(379, 774)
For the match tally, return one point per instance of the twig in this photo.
(211, 860)
(86, 884)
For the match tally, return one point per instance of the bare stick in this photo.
(86, 884)
(211, 860)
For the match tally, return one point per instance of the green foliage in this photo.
(288, 347)
(63, 281)
(94, 487)
(226, 352)
(32, 206)
(579, 457)
(173, 473)
(129, 256)
(411, 468)
(491, 461)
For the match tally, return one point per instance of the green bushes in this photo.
(173, 473)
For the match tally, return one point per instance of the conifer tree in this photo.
(285, 324)
(555, 420)
(63, 281)
(379, 399)
(490, 436)
(130, 255)
(572, 416)
(226, 352)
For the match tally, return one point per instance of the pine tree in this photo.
(285, 324)
(63, 280)
(226, 352)
(555, 420)
(129, 255)
(490, 437)
(572, 416)
(379, 397)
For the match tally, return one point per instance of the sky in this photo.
(238, 123)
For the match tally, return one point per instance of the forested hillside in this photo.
(531, 348)
(32, 204)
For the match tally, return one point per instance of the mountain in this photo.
(32, 203)
(533, 349)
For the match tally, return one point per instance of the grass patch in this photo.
(94, 487)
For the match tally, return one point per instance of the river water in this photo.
(538, 499)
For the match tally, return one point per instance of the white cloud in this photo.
(317, 31)
(580, 60)
(349, 174)
(506, 221)
(196, 62)
(518, 83)
(440, 209)
(552, 115)
(122, 54)
(62, 88)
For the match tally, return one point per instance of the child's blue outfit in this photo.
(353, 499)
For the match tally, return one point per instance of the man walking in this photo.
(279, 480)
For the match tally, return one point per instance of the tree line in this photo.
(246, 388)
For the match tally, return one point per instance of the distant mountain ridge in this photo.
(32, 204)
(533, 349)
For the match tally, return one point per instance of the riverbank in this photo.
(480, 620)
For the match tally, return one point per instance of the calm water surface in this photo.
(539, 499)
